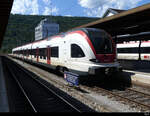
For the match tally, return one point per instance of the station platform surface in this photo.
(142, 75)
(3, 93)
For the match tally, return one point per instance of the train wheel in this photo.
(65, 69)
(58, 69)
(61, 70)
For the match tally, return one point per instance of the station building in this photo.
(112, 11)
(45, 29)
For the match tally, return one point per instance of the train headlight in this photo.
(94, 60)
(115, 60)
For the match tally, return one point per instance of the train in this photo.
(134, 50)
(84, 51)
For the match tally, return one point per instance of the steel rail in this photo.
(23, 91)
(50, 90)
(21, 68)
(148, 95)
(133, 101)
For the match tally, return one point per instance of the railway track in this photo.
(128, 96)
(37, 95)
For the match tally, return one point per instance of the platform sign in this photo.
(71, 78)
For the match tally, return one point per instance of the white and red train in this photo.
(85, 51)
(133, 50)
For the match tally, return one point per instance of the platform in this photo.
(142, 76)
(4, 107)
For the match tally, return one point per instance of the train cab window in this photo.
(76, 51)
(101, 41)
(54, 52)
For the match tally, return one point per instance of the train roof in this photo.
(40, 44)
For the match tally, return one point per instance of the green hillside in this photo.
(20, 29)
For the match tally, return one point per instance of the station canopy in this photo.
(131, 23)
(5, 8)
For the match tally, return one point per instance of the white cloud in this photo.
(25, 7)
(46, 11)
(49, 11)
(97, 8)
(92, 3)
(34, 7)
(68, 15)
(48, 2)
(18, 7)
(49, 8)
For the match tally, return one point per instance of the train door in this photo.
(37, 54)
(48, 55)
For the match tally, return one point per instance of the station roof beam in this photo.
(132, 21)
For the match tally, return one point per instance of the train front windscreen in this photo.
(102, 44)
(101, 41)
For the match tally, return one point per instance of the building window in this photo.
(54, 52)
(76, 51)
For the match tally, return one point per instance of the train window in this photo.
(145, 50)
(24, 52)
(54, 52)
(19, 52)
(42, 53)
(101, 41)
(76, 51)
(29, 52)
(128, 50)
(34, 52)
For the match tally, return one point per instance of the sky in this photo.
(80, 8)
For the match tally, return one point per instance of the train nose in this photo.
(105, 58)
